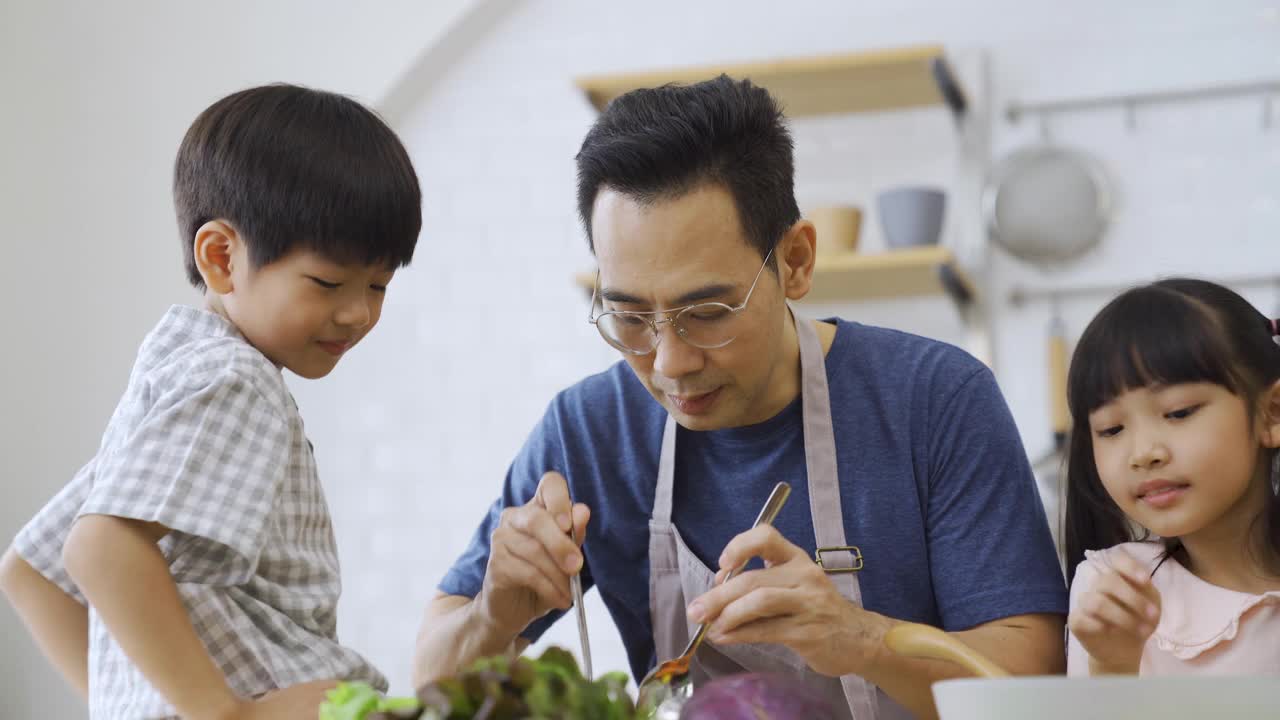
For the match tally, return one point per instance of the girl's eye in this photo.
(1183, 413)
(324, 283)
(1111, 431)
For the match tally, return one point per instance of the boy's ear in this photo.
(1269, 415)
(215, 247)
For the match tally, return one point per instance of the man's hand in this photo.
(531, 558)
(791, 602)
(1114, 619)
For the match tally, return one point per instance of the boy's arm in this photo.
(116, 564)
(57, 622)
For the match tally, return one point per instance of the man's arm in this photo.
(1022, 644)
(454, 634)
(991, 556)
(58, 623)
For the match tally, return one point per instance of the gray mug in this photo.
(911, 216)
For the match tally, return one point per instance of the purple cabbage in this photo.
(757, 696)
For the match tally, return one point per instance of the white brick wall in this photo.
(415, 430)
(96, 99)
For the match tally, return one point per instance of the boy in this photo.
(190, 567)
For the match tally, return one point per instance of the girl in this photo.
(1173, 520)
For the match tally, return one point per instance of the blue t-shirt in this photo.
(934, 484)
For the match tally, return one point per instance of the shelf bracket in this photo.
(955, 286)
(949, 87)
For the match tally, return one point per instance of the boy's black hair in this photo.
(660, 143)
(290, 167)
(1178, 330)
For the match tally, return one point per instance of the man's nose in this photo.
(674, 357)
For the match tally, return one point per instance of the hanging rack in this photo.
(1020, 295)
(1268, 89)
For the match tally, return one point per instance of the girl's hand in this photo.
(1115, 617)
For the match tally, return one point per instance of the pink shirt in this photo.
(1203, 628)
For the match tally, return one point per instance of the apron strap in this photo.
(666, 473)
(820, 460)
(824, 495)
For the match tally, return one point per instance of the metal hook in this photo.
(1045, 136)
(1057, 326)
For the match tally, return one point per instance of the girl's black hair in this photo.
(1178, 330)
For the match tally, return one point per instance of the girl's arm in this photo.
(57, 622)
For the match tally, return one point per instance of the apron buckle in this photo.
(851, 549)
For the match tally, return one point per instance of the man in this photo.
(906, 467)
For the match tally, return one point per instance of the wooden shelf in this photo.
(895, 274)
(877, 276)
(857, 82)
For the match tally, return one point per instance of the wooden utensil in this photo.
(923, 641)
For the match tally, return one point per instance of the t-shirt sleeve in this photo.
(541, 453)
(990, 551)
(1085, 578)
(41, 540)
(206, 461)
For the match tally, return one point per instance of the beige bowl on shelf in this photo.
(837, 229)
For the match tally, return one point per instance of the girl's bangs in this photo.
(1136, 342)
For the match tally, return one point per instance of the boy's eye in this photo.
(1110, 431)
(1183, 413)
(324, 283)
(378, 288)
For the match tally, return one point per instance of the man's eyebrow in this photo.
(703, 293)
(618, 296)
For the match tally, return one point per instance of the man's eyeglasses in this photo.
(707, 325)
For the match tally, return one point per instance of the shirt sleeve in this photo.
(40, 541)
(206, 461)
(990, 551)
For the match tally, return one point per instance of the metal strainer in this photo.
(1047, 204)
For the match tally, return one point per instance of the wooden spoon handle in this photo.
(923, 641)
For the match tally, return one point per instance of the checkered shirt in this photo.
(208, 442)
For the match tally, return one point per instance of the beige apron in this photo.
(677, 576)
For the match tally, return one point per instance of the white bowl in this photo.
(1169, 697)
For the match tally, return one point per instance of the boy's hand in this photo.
(531, 557)
(298, 702)
(1114, 619)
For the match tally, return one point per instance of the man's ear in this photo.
(215, 247)
(797, 251)
(1269, 415)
